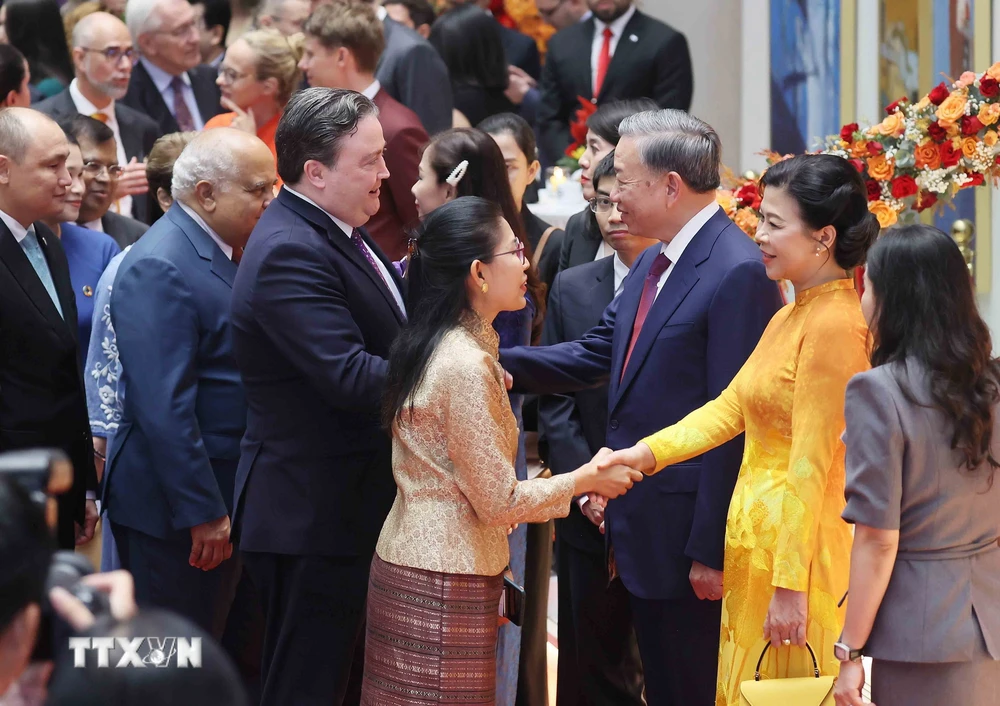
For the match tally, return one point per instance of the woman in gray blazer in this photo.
(922, 447)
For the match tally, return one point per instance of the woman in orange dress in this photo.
(787, 550)
(257, 77)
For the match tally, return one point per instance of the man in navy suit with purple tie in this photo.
(692, 310)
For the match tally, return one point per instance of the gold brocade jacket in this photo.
(453, 461)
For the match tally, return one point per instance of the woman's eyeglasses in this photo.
(518, 251)
(601, 204)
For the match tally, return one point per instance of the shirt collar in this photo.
(481, 330)
(223, 246)
(84, 106)
(161, 79)
(382, 14)
(370, 92)
(97, 225)
(19, 231)
(346, 229)
(617, 26)
(675, 248)
(621, 272)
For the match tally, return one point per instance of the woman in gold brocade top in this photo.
(787, 550)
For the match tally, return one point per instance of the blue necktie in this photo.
(37, 259)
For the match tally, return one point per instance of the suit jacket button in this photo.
(614, 425)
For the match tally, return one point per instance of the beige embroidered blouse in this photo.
(453, 462)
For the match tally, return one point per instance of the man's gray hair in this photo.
(313, 125)
(206, 158)
(142, 16)
(14, 136)
(675, 141)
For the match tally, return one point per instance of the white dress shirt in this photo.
(85, 107)
(226, 249)
(381, 13)
(621, 272)
(617, 28)
(95, 225)
(603, 250)
(162, 81)
(17, 230)
(370, 92)
(675, 248)
(347, 230)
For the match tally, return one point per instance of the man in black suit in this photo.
(98, 147)
(102, 59)
(599, 661)
(42, 401)
(316, 306)
(167, 84)
(630, 55)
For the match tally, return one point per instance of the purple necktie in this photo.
(181, 111)
(659, 266)
(359, 243)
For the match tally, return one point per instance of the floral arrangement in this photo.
(917, 158)
(578, 130)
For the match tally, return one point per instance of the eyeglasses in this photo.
(115, 54)
(601, 204)
(182, 32)
(230, 75)
(518, 251)
(94, 168)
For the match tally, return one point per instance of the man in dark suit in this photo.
(316, 306)
(618, 53)
(357, 29)
(598, 656)
(42, 400)
(168, 84)
(411, 71)
(102, 53)
(691, 312)
(171, 465)
(100, 176)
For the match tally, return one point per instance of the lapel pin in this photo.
(633, 38)
(87, 291)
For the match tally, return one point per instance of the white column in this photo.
(755, 77)
(989, 303)
(868, 111)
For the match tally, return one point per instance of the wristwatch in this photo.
(845, 654)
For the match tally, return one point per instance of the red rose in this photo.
(936, 132)
(989, 87)
(874, 190)
(971, 125)
(977, 180)
(950, 155)
(894, 106)
(874, 148)
(847, 132)
(939, 93)
(926, 200)
(904, 186)
(748, 196)
(857, 164)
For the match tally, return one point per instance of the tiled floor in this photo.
(553, 648)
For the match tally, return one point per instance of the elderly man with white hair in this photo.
(168, 84)
(102, 60)
(171, 467)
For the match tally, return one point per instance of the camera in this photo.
(42, 473)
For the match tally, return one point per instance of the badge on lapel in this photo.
(87, 291)
(633, 38)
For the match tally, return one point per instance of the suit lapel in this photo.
(153, 100)
(20, 267)
(621, 60)
(221, 266)
(131, 140)
(604, 289)
(584, 74)
(204, 96)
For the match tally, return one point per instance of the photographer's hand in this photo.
(121, 595)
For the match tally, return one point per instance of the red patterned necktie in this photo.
(656, 270)
(182, 113)
(603, 61)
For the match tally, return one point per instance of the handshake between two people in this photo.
(612, 473)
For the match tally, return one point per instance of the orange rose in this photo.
(883, 212)
(990, 139)
(969, 145)
(989, 113)
(923, 103)
(893, 126)
(927, 155)
(859, 149)
(953, 108)
(880, 168)
(994, 71)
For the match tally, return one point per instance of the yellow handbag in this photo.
(795, 691)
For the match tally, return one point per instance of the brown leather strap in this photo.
(541, 245)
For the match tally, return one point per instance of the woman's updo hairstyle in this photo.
(829, 191)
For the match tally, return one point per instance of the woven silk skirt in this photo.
(431, 637)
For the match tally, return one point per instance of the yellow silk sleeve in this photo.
(705, 428)
(833, 350)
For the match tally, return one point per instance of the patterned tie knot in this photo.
(99, 116)
(659, 266)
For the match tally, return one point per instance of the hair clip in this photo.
(458, 173)
(411, 247)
